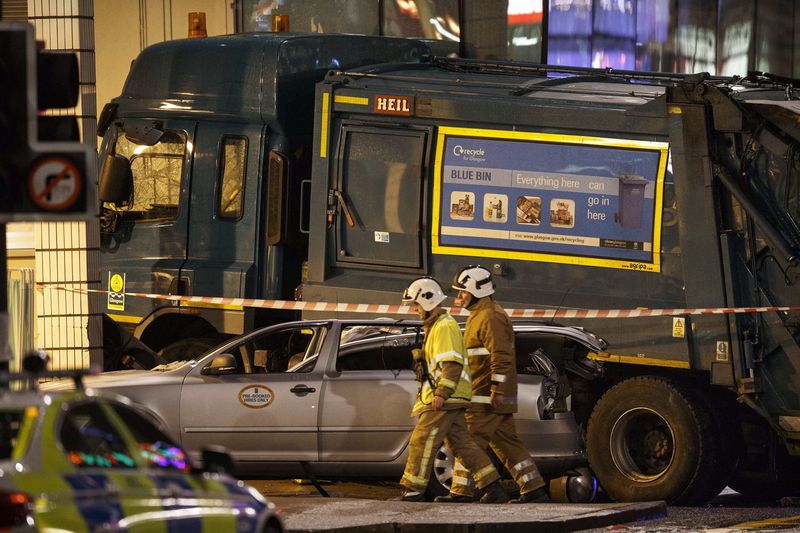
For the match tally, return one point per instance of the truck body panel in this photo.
(339, 168)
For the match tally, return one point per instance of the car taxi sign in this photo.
(54, 183)
(256, 396)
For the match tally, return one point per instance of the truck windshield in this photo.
(157, 172)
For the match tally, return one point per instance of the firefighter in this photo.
(442, 399)
(489, 339)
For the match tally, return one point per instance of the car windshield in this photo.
(170, 366)
(10, 423)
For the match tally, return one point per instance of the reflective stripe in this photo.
(423, 464)
(452, 355)
(519, 467)
(416, 481)
(458, 480)
(481, 399)
(500, 378)
(449, 383)
(483, 472)
(529, 476)
(477, 351)
(465, 376)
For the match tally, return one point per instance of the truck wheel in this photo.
(185, 349)
(650, 439)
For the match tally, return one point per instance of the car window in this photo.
(376, 349)
(155, 447)
(279, 351)
(91, 441)
(10, 423)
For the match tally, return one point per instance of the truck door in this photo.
(146, 250)
(224, 215)
(380, 173)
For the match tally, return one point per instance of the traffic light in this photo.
(45, 173)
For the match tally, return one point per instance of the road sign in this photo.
(45, 174)
(54, 183)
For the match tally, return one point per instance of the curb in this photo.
(303, 515)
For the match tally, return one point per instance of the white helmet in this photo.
(474, 279)
(424, 291)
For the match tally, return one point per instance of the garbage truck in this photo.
(590, 190)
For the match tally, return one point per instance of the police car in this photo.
(81, 461)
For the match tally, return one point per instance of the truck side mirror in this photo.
(222, 364)
(116, 179)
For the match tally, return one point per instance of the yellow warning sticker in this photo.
(678, 327)
(116, 292)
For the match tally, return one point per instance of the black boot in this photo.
(495, 493)
(535, 496)
(454, 498)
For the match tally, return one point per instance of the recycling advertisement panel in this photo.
(545, 197)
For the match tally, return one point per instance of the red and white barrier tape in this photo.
(381, 309)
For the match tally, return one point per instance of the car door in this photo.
(368, 394)
(548, 358)
(258, 409)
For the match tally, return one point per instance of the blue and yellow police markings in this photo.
(145, 487)
(50, 492)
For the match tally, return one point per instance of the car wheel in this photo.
(441, 472)
(649, 438)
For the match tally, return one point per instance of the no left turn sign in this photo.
(54, 183)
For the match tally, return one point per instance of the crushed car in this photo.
(333, 397)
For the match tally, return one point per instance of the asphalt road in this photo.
(729, 512)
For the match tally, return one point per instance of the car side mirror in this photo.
(216, 459)
(224, 363)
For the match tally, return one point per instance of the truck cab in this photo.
(205, 180)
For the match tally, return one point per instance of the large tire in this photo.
(650, 438)
(767, 472)
(730, 443)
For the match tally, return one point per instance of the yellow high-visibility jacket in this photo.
(447, 365)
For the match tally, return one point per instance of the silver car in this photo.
(333, 397)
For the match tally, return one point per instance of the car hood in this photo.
(120, 378)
